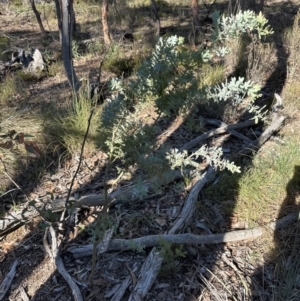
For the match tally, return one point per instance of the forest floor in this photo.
(246, 269)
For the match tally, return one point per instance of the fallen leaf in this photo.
(32, 148)
(161, 221)
(20, 138)
(11, 133)
(8, 144)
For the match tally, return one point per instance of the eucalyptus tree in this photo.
(65, 19)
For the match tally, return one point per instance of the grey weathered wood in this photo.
(234, 133)
(220, 130)
(189, 205)
(118, 295)
(149, 272)
(155, 240)
(61, 268)
(6, 282)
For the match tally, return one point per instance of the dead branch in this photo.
(121, 195)
(23, 294)
(269, 131)
(188, 208)
(155, 240)
(149, 272)
(232, 132)
(5, 285)
(122, 287)
(276, 123)
(220, 130)
(284, 221)
(61, 268)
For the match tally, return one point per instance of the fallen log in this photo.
(178, 239)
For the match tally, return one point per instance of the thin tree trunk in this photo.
(67, 20)
(38, 18)
(195, 15)
(74, 24)
(155, 11)
(106, 31)
(59, 19)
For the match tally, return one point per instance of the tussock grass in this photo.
(68, 129)
(12, 89)
(16, 160)
(263, 187)
(55, 68)
(211, 75)
(118, 62)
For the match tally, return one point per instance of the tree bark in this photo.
(195, 15)
(59, 19)
(67, 26)
(155, 11)
(38, 18)
(106, 31)
(74, 24)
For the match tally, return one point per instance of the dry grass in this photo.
(12, 90)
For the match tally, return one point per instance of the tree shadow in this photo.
(286, 263)
(281, 271)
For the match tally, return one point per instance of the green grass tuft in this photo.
(263, 188)
(68, 129)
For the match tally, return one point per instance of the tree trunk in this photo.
(74, 24)
(155, 11)
(195, 15)
(59, 19)
(106, 31)
(38, 18)
(66, 22)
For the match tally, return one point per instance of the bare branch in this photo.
(155, 240)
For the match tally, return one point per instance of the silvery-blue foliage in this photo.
(213, 157)
(235, 90)
(235, 25)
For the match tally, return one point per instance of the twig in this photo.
(46, 245)
(79, 164)
(3, 194)
(5, 172)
